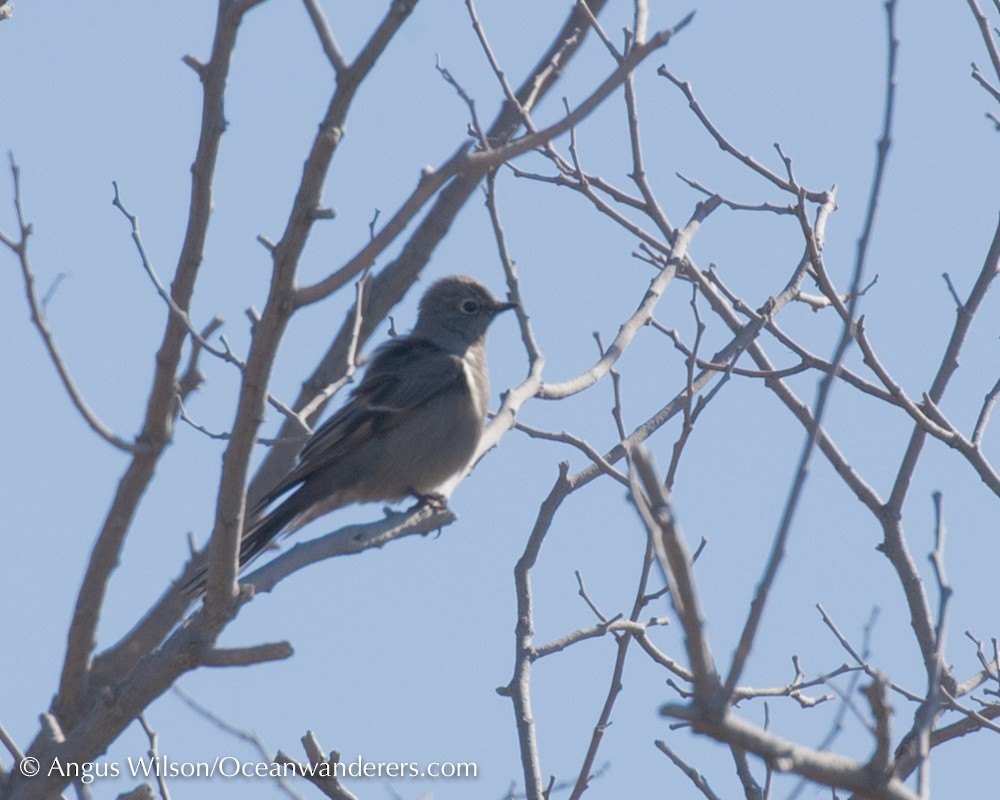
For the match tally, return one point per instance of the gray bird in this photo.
(413, 422)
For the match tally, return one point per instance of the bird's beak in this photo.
(501, 307)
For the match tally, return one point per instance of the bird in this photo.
(412, 422)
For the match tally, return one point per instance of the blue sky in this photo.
(398, 651)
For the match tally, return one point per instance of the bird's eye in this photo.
(469, 307)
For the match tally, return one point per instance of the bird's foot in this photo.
(434, 500)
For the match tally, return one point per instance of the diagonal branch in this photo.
(643, 313)
(38, 317)
(160, 409)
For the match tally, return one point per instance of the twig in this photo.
(527, 389)
(751, 789)
(519, 688)
(987, 35)
(477, 129)
(984, 414)
(582, 591)
(990, 670)
(225, 353)
(324, 780)
(245, 656)
(193, 377)
(614, 625)
(8, 741)
(699, 780)
(512, 99)
(675, 562)
(147, 265)
(584, 8)
(586, 773)
(640, 316)
(930, 708)
(249, 737)
(735, 206)
(580, 444)
(38, 318)
(689, 416)
(153, 752)
(894, 546)
(322, 26)
(478, 164)
(743, 158)
(351, 367)
(859, 659)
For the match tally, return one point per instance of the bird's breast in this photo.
(477, 379)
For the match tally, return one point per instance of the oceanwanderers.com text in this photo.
(233, 767)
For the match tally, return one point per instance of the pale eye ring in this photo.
(469, 307)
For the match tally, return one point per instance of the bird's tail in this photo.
(261, 531)
(265, 529)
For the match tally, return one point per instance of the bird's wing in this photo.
(402, 376)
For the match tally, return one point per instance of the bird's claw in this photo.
(433, 500)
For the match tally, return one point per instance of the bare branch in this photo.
(988, 40)
(567, 438)
(827, 769)
(614, 625)
(153, 753)
(348, 541)
(596, 26)
(245, 656)
(477, 129)
(314, 405)
(640, 316)
(160, 409)
(984, 415)
(477, 164)
(519, 688)
(675, 562)
(699, 780)
(38, 318)
(634, 631)
(8, 741)
(249, 737)
(724, 143)
(858, 658)
(322, 26)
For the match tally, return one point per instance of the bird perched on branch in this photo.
(411, 424)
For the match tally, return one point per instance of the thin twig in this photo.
(153, 752)
(699, 780)
(322, 26)
(984, 414)
(477, 129)
(580, 444)
(20, 248)
(249, 737)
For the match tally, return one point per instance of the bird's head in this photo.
(458, 307)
